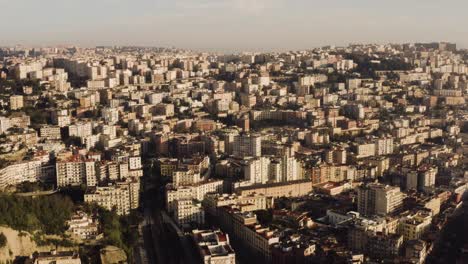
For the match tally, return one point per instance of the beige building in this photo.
(379, 199)
(276, 190)
(245, 228)
(16, 102)
(83, 226)
(195, 191)
(214, 247)
(249, 203)
(123, 196)
(50, 132)
(247, 146)
(185, 177)
(75, 171)
(187, 211)
(25, 171)
(412, 227)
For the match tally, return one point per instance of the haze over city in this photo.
(232, 25)
(233, 131)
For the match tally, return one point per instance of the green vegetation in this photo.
(15, 86)
(46, 213)
(37, 116)
(119, 231)
(42, 240)
(3, 240)
(26, 187)
(367, 68)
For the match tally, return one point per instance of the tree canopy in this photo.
(46, 213)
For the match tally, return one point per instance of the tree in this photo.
(46, 213)
(3, 240)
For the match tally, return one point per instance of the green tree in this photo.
(3, 240)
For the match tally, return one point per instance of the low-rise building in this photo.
(56, 257)
(214, 247)
(83, 226)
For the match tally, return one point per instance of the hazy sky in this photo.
(228, 25)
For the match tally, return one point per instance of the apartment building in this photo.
(379, 199)
(247, 146)
(188, 211)
(121, 196)
(76, 170)
(50, 132)
(185, 177)
(249, 203)
(214, 246)
(276, 190)
(23, 171)
(244, 228)
(16, 102)
(413, 226)
(82, 129)
(196, 191)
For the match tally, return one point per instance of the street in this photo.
(161, 240)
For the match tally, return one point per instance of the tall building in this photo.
(426, 177)
(289, 167)
(384, 146)
(247, 146)
(257, 170)
(76, 171)
(244, 227)
(379, 199)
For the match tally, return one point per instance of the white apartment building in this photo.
(25, 171)
(195, 191)
(257, 170)
(188, 211)
(80, 130)
(22, 70)
(76, 171)
(134, 163)
(379, 199)
(185, 177)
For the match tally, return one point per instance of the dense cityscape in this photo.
(128, 154)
